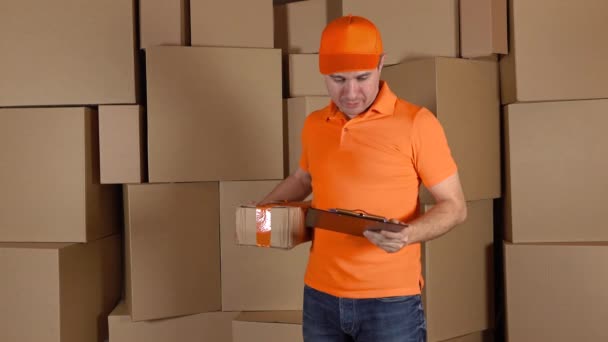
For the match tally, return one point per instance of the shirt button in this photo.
(346, 130)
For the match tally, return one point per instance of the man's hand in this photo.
(391, 242)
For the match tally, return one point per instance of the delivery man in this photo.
(369, 150)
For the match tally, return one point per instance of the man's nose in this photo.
(350, 89)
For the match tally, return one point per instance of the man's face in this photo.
(353, 92)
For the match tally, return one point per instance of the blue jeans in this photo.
(391, 319)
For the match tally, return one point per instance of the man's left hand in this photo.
(391, 242)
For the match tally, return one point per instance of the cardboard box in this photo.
(480, 336)
(305, 79)
(242, 23)
(279, 226)
(298, 108)
(67, 53)
(458, 294)
(256, 278)
(399, 22)
(556, 292)
(204, 104)
(554, 51)
(211, 326)
(172, 252)
(164, 22)
(122, 144)
(278, 326)
(50, 177)
(470, 115)
(483, 28)
(555, 171)
(299, 25)
(58, 292)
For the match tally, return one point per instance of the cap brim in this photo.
(334, 63)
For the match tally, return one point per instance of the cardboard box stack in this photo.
(219, 126)
(555, 90)
(213, 140)
(60, 243)
(183, 175)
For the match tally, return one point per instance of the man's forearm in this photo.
(437, 221)
(290, 189)
(449, 211)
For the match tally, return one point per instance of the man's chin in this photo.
(353, 113)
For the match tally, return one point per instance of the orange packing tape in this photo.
(263, 220)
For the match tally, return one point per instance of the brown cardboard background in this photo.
(32, 293)
(67, 53)
(51, 190)
(240, 23)
(121, 144)
(483, 27)
(211, 326)
(164, 22)
(89, 290)
(172, 247)
(213, 117)
(556, 171)
(554, 53)
(305, 79)
(556, 292)
(459, 277)
(298, 25)
(58, 292)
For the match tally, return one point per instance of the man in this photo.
(369, 150)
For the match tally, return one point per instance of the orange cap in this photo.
(349, 43)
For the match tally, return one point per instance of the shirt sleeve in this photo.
(432, 156)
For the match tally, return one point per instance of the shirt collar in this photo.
(384, 104)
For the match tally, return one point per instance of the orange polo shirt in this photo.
(374, 162)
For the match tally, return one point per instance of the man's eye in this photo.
(338, 80)
(362, 78)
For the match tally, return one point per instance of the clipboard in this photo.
(349, 222)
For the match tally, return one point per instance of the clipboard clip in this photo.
(359, 213)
